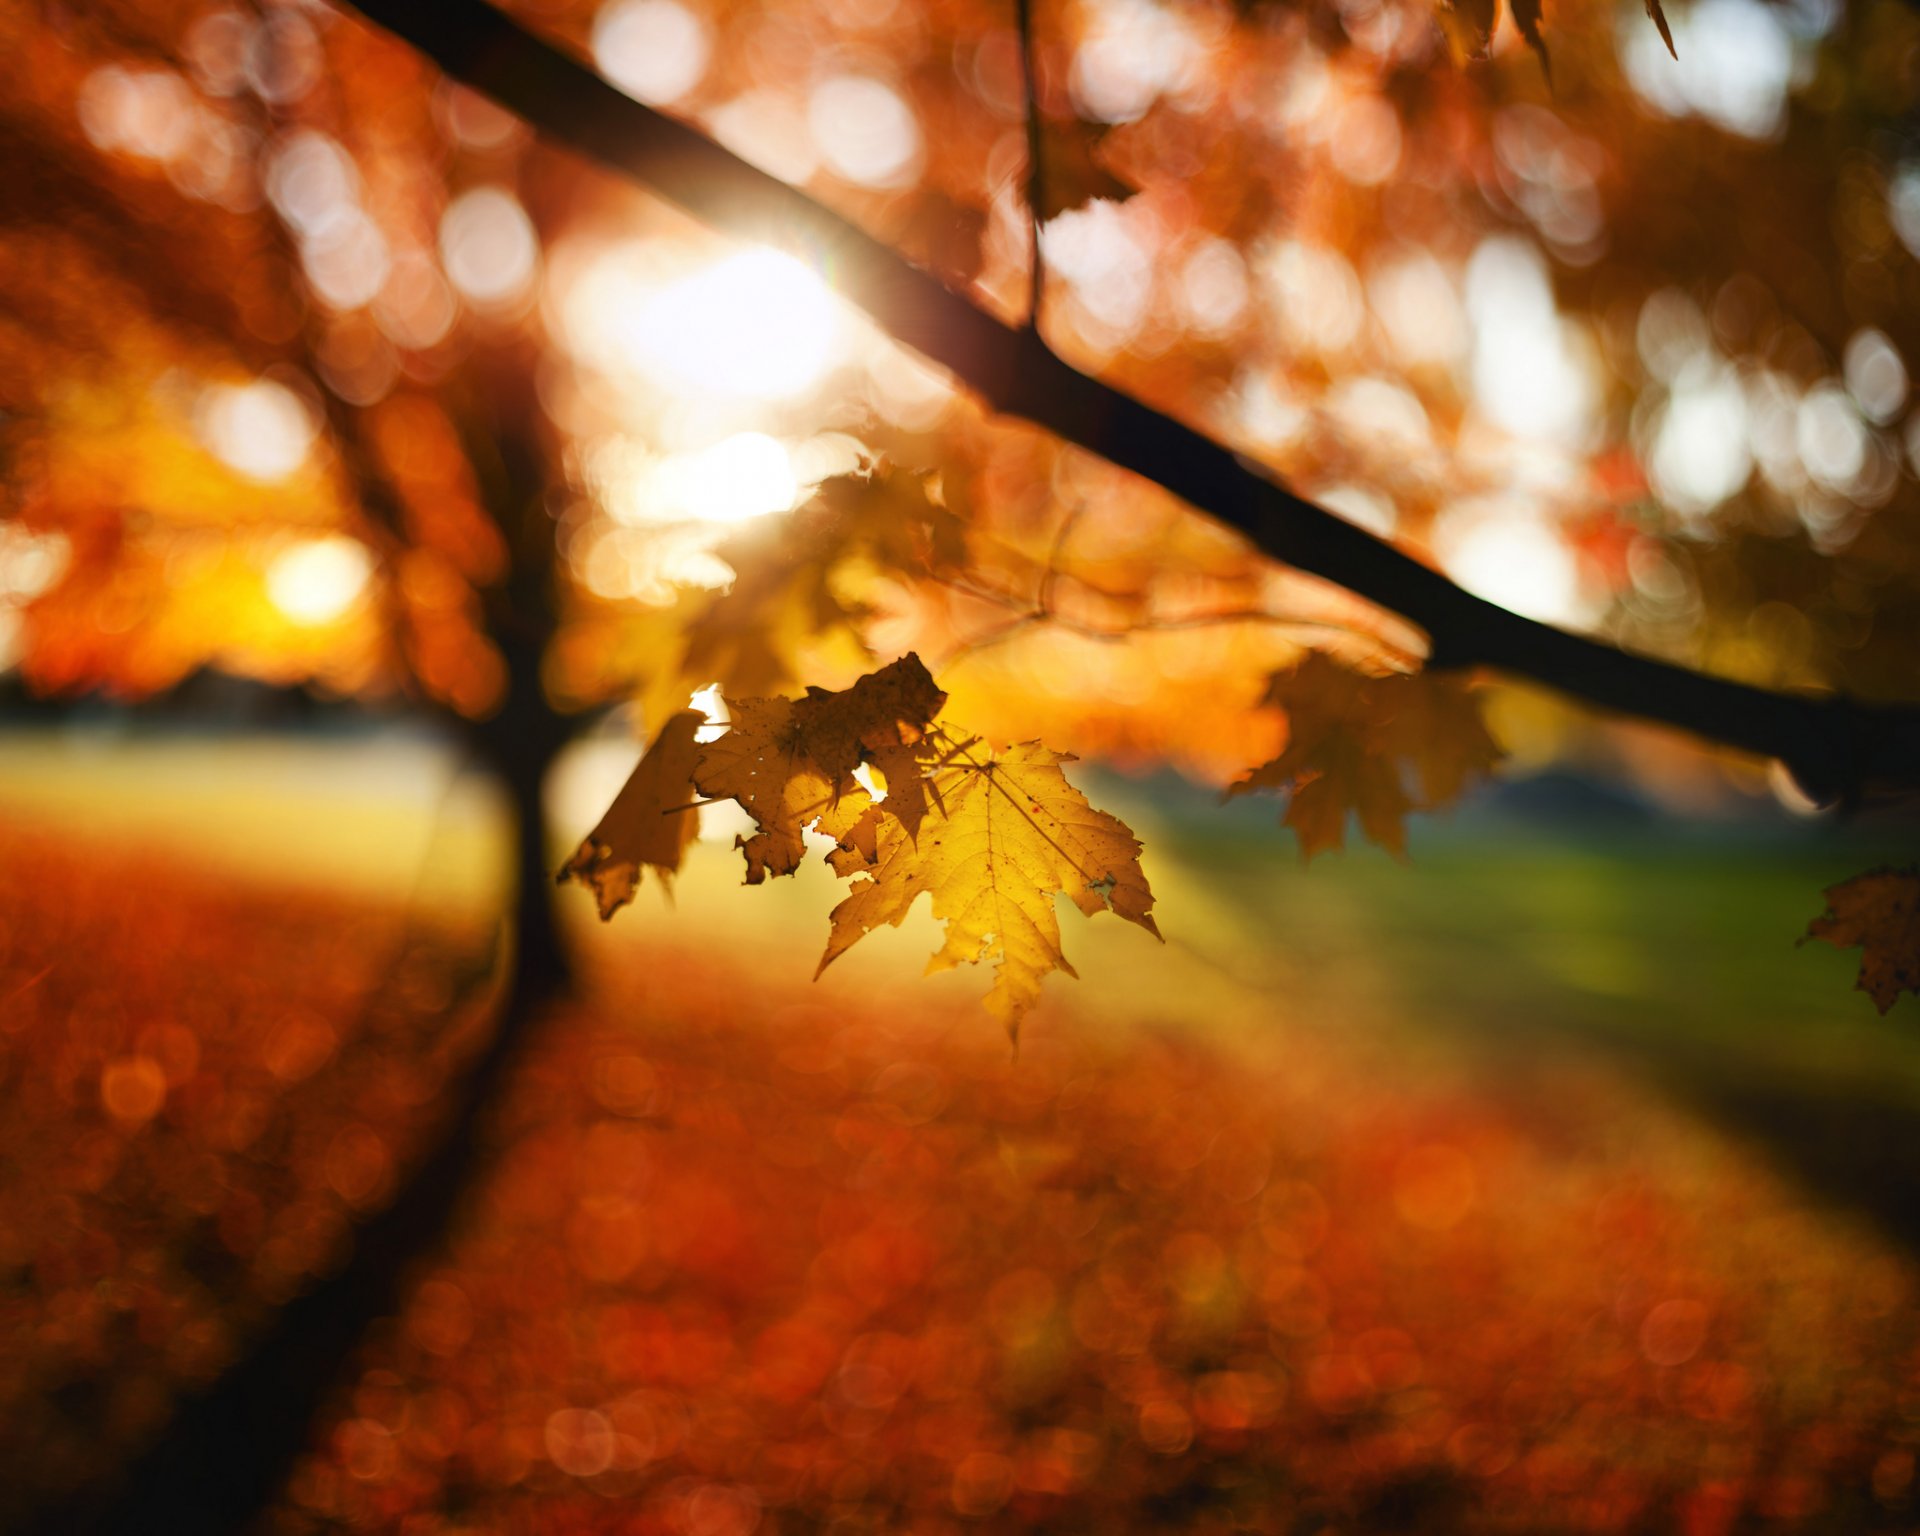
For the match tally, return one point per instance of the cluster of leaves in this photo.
(1877, 913)
(989, 836)
(1469, 26)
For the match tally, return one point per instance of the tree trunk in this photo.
(229, 1450)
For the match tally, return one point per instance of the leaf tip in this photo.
(1659, 16)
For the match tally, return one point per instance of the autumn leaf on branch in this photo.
(793, 586)
(1007, 834)
(1076, 170)
(1374, 747)
(648, 824)
(790, 763)
(1469, 26)
(1879, 914)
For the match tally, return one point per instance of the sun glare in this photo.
(318, 580)
(712, 703)
(744, 476)
(759, 324)
(261, 430)
(1509, 558)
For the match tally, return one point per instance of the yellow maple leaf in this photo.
(1357, 744)
(650, 823)
(1878, 913)
(1005, 833)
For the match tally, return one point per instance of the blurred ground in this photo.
(1541, 1184)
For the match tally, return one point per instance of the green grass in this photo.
(1666, 951)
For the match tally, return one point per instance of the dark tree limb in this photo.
(1836, 748)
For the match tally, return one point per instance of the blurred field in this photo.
(1435, 1198)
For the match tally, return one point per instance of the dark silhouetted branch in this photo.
(1835, 747)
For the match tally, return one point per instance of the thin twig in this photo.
(1036, 162)
(1050, 577)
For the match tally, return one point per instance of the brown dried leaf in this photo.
(1076, 172)
(649, 823)
(1878, 913)
(1356, 743)
(789, 762)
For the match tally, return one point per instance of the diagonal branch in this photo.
(1836, 748)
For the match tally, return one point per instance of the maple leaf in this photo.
(1878, 913)
(1076, 172)
(783, 594)
(647, 824)
(1007, 833)
(1355, 743)
(790, 762)
(1526, 17)
(1434, 723)
(796, 579)
(898, 517)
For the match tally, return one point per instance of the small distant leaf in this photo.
(1076, 171)
(1526, 17)
(1666, 36)
(1877, 913)
(649, 823)
(1373, 747)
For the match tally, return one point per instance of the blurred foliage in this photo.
(1626, 349)
(194, 1120)
(750, 1261)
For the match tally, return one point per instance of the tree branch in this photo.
(1835, 748)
